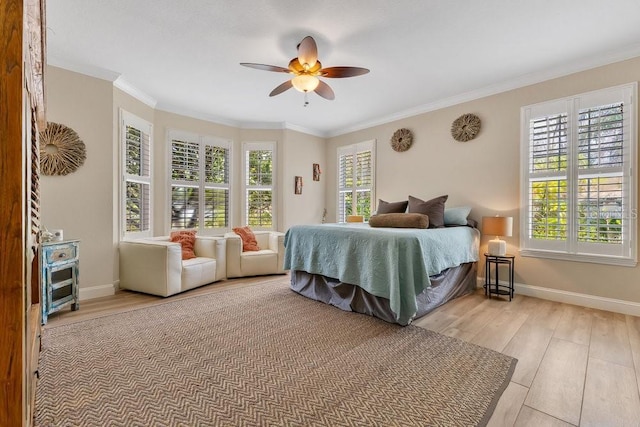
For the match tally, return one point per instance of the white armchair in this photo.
(155, 265)
(268, 260)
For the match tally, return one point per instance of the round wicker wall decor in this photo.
(401, 140)
(61, 150)
(465, 127)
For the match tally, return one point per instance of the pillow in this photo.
(187, 239)
(456, 216)
(433, 208)
(249, 242)
(399, 220)
(393, 207)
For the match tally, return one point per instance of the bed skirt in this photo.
(447, 285)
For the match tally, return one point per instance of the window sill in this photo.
(593, 259)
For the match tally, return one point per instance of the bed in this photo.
(395, 274)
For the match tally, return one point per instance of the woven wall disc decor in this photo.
(465, 127)
(401, 140)
(61, 150)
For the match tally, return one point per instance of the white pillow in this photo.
(456, 216)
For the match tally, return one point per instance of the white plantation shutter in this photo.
(364, 183)
(185, 183)
(600, 192)
(355, 180)
(259, 184)
(547, 189)
(216, 187)
(136, 167)
(345, 186)
(578, 192)
(199, 180)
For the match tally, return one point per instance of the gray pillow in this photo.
(391, 207)
(456, 216)
(433, 208)
(399, 220)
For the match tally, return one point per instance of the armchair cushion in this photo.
(249, 242)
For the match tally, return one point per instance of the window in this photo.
(259, 184)
(135, 136)
(355, 180)
(578, 191)
(199, 175)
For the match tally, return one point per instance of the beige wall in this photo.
(484, 173)
(82, 203)
(86, 204)
(300, 153)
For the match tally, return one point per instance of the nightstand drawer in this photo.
(61, 253)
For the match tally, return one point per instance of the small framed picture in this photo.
(316, 172)
(298, 187)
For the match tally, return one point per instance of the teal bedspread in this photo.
(393, 263)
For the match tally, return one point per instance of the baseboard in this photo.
(575, 298)
(96, 291)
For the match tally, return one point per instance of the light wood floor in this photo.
(576, 366)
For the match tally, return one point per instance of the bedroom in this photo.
(483, 173)
(490, 163)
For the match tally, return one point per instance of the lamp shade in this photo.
(305, 82)
(497, 225)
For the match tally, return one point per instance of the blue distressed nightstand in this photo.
(59, 269)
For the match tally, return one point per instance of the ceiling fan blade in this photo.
(325, 91)
(308, 51)
(265, 67)
(339, 72)
(284, 86)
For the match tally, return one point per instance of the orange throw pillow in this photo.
(249, 242)
(187, 239)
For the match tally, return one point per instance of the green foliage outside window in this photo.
(599, 198)
(260, 200)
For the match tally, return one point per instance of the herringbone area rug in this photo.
(257, 356)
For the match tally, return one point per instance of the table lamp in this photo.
(497, 226)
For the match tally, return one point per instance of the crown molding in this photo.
(170, 108)
(88, 70)
(122, 84)
(522, 81)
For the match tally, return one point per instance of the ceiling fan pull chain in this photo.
(306, 99)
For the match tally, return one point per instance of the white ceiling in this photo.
(183, 56)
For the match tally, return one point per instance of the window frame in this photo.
(259, 146)
(128, 119)
(572, 249)
(202, 141)
(354, 149)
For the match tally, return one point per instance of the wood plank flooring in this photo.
(576, 366)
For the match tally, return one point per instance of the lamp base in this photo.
(497, 247)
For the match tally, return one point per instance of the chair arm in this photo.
(234, 252)
(276, 243)
(151, 266)
(216, 248)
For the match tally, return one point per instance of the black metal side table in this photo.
(495, 287)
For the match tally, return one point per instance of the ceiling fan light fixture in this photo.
(305, 83)
(306, 68)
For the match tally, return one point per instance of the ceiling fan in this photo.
(306, 68)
